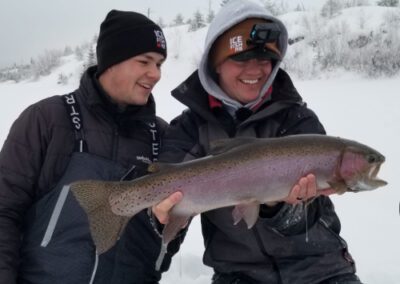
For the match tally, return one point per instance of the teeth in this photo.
(250, 81)
(146, 86)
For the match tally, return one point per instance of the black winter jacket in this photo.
(275, 250)
(39, 147)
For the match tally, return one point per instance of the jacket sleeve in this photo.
(20, 164)
(285, 218)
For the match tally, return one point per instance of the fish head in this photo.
(359, 168)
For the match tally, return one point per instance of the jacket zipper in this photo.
(267, 255)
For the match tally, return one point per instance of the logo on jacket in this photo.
(144, 159)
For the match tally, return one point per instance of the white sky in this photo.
(28, 28)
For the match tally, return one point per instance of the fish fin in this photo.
(105, 226)
(246, 211)
(223, 145)
(175, 224)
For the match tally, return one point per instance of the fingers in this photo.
(305, 189)
(162, 209)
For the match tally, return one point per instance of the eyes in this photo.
(148, 62)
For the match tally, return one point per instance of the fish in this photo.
(239, 172)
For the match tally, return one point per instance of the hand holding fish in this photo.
(305, 189)
(162, 210)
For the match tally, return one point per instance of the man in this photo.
(240, 91)
(106, 129)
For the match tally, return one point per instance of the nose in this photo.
(154, 72)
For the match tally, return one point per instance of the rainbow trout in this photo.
(242, 172)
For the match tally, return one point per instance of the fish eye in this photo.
(372, 158)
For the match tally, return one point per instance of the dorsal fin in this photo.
(223, 145)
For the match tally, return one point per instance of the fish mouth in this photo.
(369, 181)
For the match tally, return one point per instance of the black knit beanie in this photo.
(125, 34)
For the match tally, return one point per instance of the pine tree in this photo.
(331, 8)
(91, 59)
(210, 16)
(388, 3)
(178, 21)
(197, 22)
(224, 2)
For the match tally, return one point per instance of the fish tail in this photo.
(105, 226)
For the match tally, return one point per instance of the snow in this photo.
(350, 106)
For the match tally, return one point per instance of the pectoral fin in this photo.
(175, 224)
(248, 212)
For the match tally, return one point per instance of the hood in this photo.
(231, 14)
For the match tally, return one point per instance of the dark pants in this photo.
(343, 279)
(237, 278)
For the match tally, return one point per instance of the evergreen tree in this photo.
(355, 3)
(210, 16)
(331, 8)
(62, 79)
(388, 3)
(91, 59)
(197, 22)
(178, 21)
(67, 51)
(276, 8)
(224, 2)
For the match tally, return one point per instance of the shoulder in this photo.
(299, 119)
(44, 110)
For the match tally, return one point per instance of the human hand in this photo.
(305, 189)
(161, 210)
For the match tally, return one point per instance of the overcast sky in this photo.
(28, 28)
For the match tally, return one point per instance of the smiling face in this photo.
(131, 81)
(243, 80)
